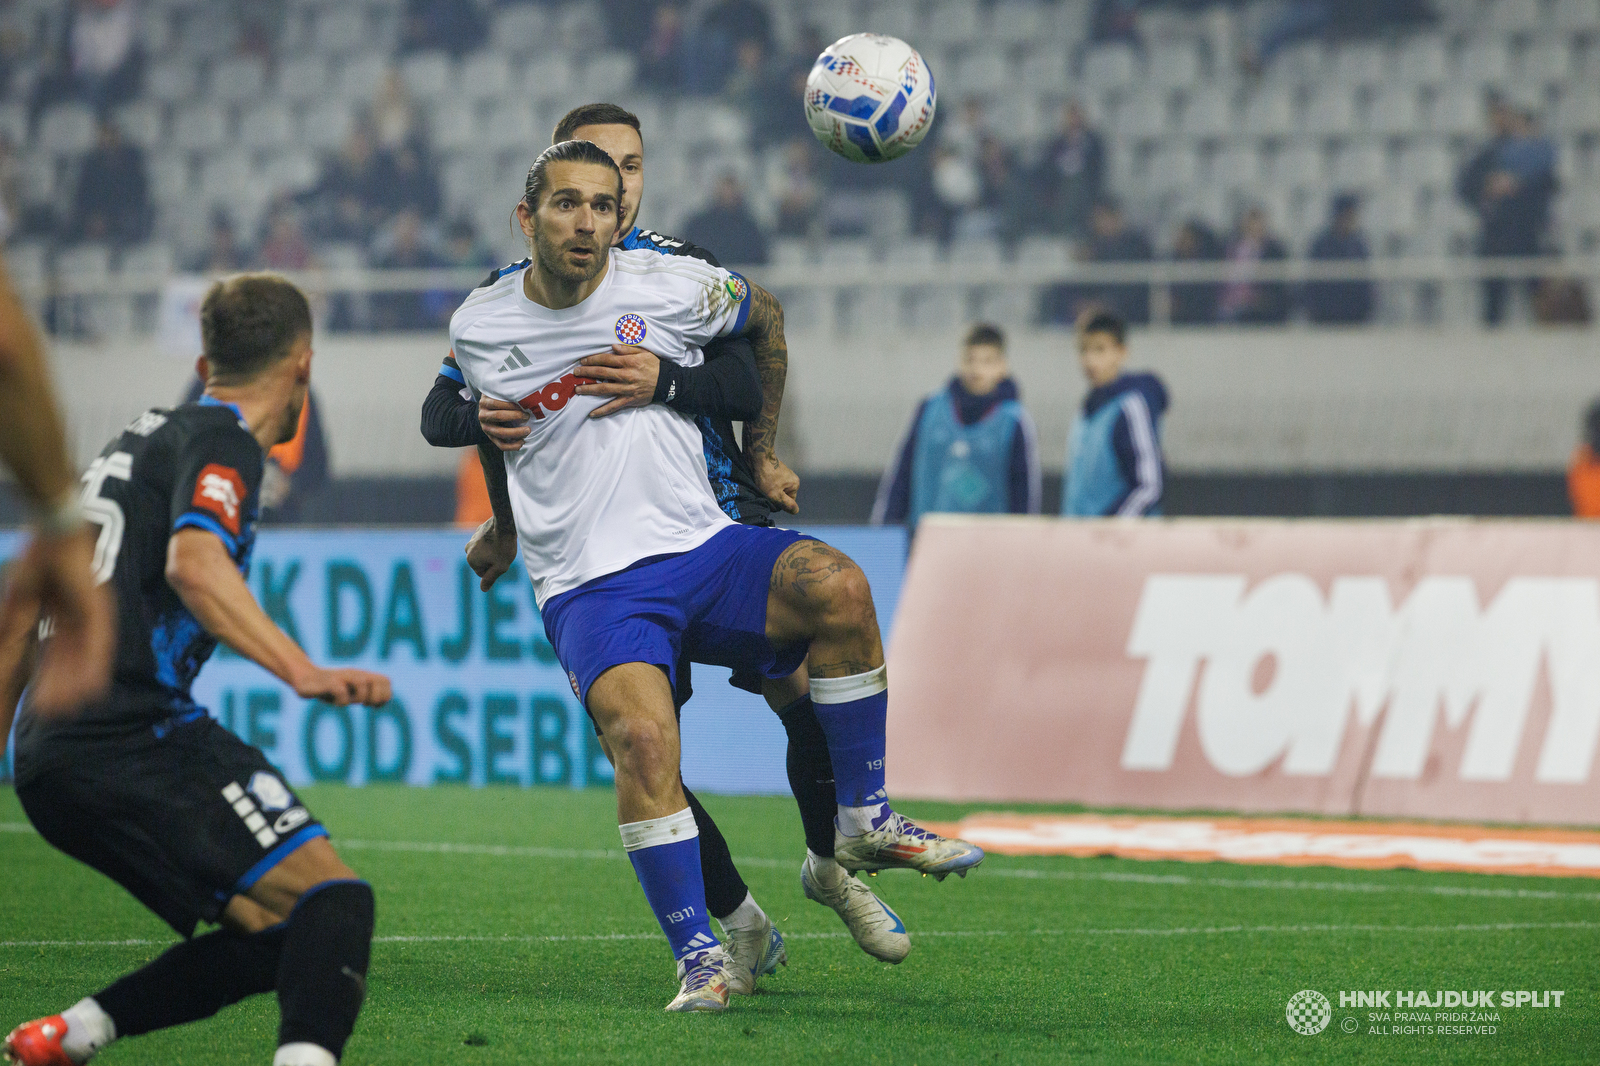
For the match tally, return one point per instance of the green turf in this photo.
(1099, 985)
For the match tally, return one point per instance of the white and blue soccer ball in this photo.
(870, 98)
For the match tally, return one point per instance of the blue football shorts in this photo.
(708, 606)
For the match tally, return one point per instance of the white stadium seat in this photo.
(984, 72)
(1331, 113)
(1174, 65)
(1110, 66)
(1458, 110)
(171, 81)
(894, 17)
(511, 124)
(1172, 168)
(302, 78)
(608, 74)
(427, 74)
(1579, 111)
(1238, 166)
(141, 122)
(520, 30)
(66, 129)
(237, 80)
(1422, 60)
(1515, 16)
(326, 126)
(1484, 60)
(453, 126)
(169, 178)
(1210, 112)
(1017, 22)
(1360, 64)
(152, 260)
(84, 263)
(1045, 69)
(484, 76)
(1545, 61)
(199, 128)
(14, 124)
(1301, 63)
(1362, 165)
(225, 175)
(1429, 164)
(267, 126)
(1143, 116)
(1270, 112)
(290, 172)
(952, 22)
(360, 77)
(1395, 109)
(1575, 16)
(1299, 164)
(550, 78)
(340, 28)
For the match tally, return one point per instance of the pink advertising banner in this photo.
(1420, 669)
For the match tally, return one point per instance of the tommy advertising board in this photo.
(479, 697)
(1431, 668)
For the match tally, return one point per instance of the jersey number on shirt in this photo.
(106, 513)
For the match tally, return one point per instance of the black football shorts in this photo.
(184, 817)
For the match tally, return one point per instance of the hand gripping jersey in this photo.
(593, 496)
(195, 466)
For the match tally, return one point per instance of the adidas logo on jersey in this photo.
(516, 361)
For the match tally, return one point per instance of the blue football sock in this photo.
(854, 712)
(666, 856)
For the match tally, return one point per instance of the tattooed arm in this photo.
(493, 548)
(764, 327)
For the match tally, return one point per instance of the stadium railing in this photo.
(855, 279)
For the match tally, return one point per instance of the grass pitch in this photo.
(511, 931)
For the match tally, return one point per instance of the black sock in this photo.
(194, 980)
(810, 774)
(322, 977)
(725, 889)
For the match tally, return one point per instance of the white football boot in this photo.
(876, 927)
(706, 977)
(756, 953)
(900, 844)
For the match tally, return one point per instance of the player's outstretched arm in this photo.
(493, 548)
(764, 327)
(204, 576)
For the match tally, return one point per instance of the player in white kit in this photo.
(632, 560)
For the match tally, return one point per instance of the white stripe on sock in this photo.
(656, 831)
(849, 689)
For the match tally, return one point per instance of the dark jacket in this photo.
(1515, 224)
(1338, 302)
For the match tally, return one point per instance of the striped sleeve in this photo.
(1147, 475)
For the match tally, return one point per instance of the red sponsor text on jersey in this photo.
(554, 396)
(220, 490)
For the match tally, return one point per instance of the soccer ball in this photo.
(870, 98)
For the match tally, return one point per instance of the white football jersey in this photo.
(594, 495)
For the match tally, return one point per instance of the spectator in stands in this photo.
(1561, 302)
(727, 225)
(628, 22)
(1114, 461)
(1510, 183)
(740, 20)
(111, 203)
(97, 59)
(971, 447)
(454, 26)
(222, 254)
(1072, 174)
(405, 246)
(286, 246)
(1194, 303)
(343, 204)
(1340, 302)
(1583, 472)
(796, 188)
(662, 57)
(393, 116)
(461, 249)
(1245, 299)
(1112, 240)
(406, 183)
(1115, 21)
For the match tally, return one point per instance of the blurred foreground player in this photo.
(54, 568)
(728, 386)
(1114, 464)
(144, 785)
(634, 564)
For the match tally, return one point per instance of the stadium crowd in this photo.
(381, 194)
